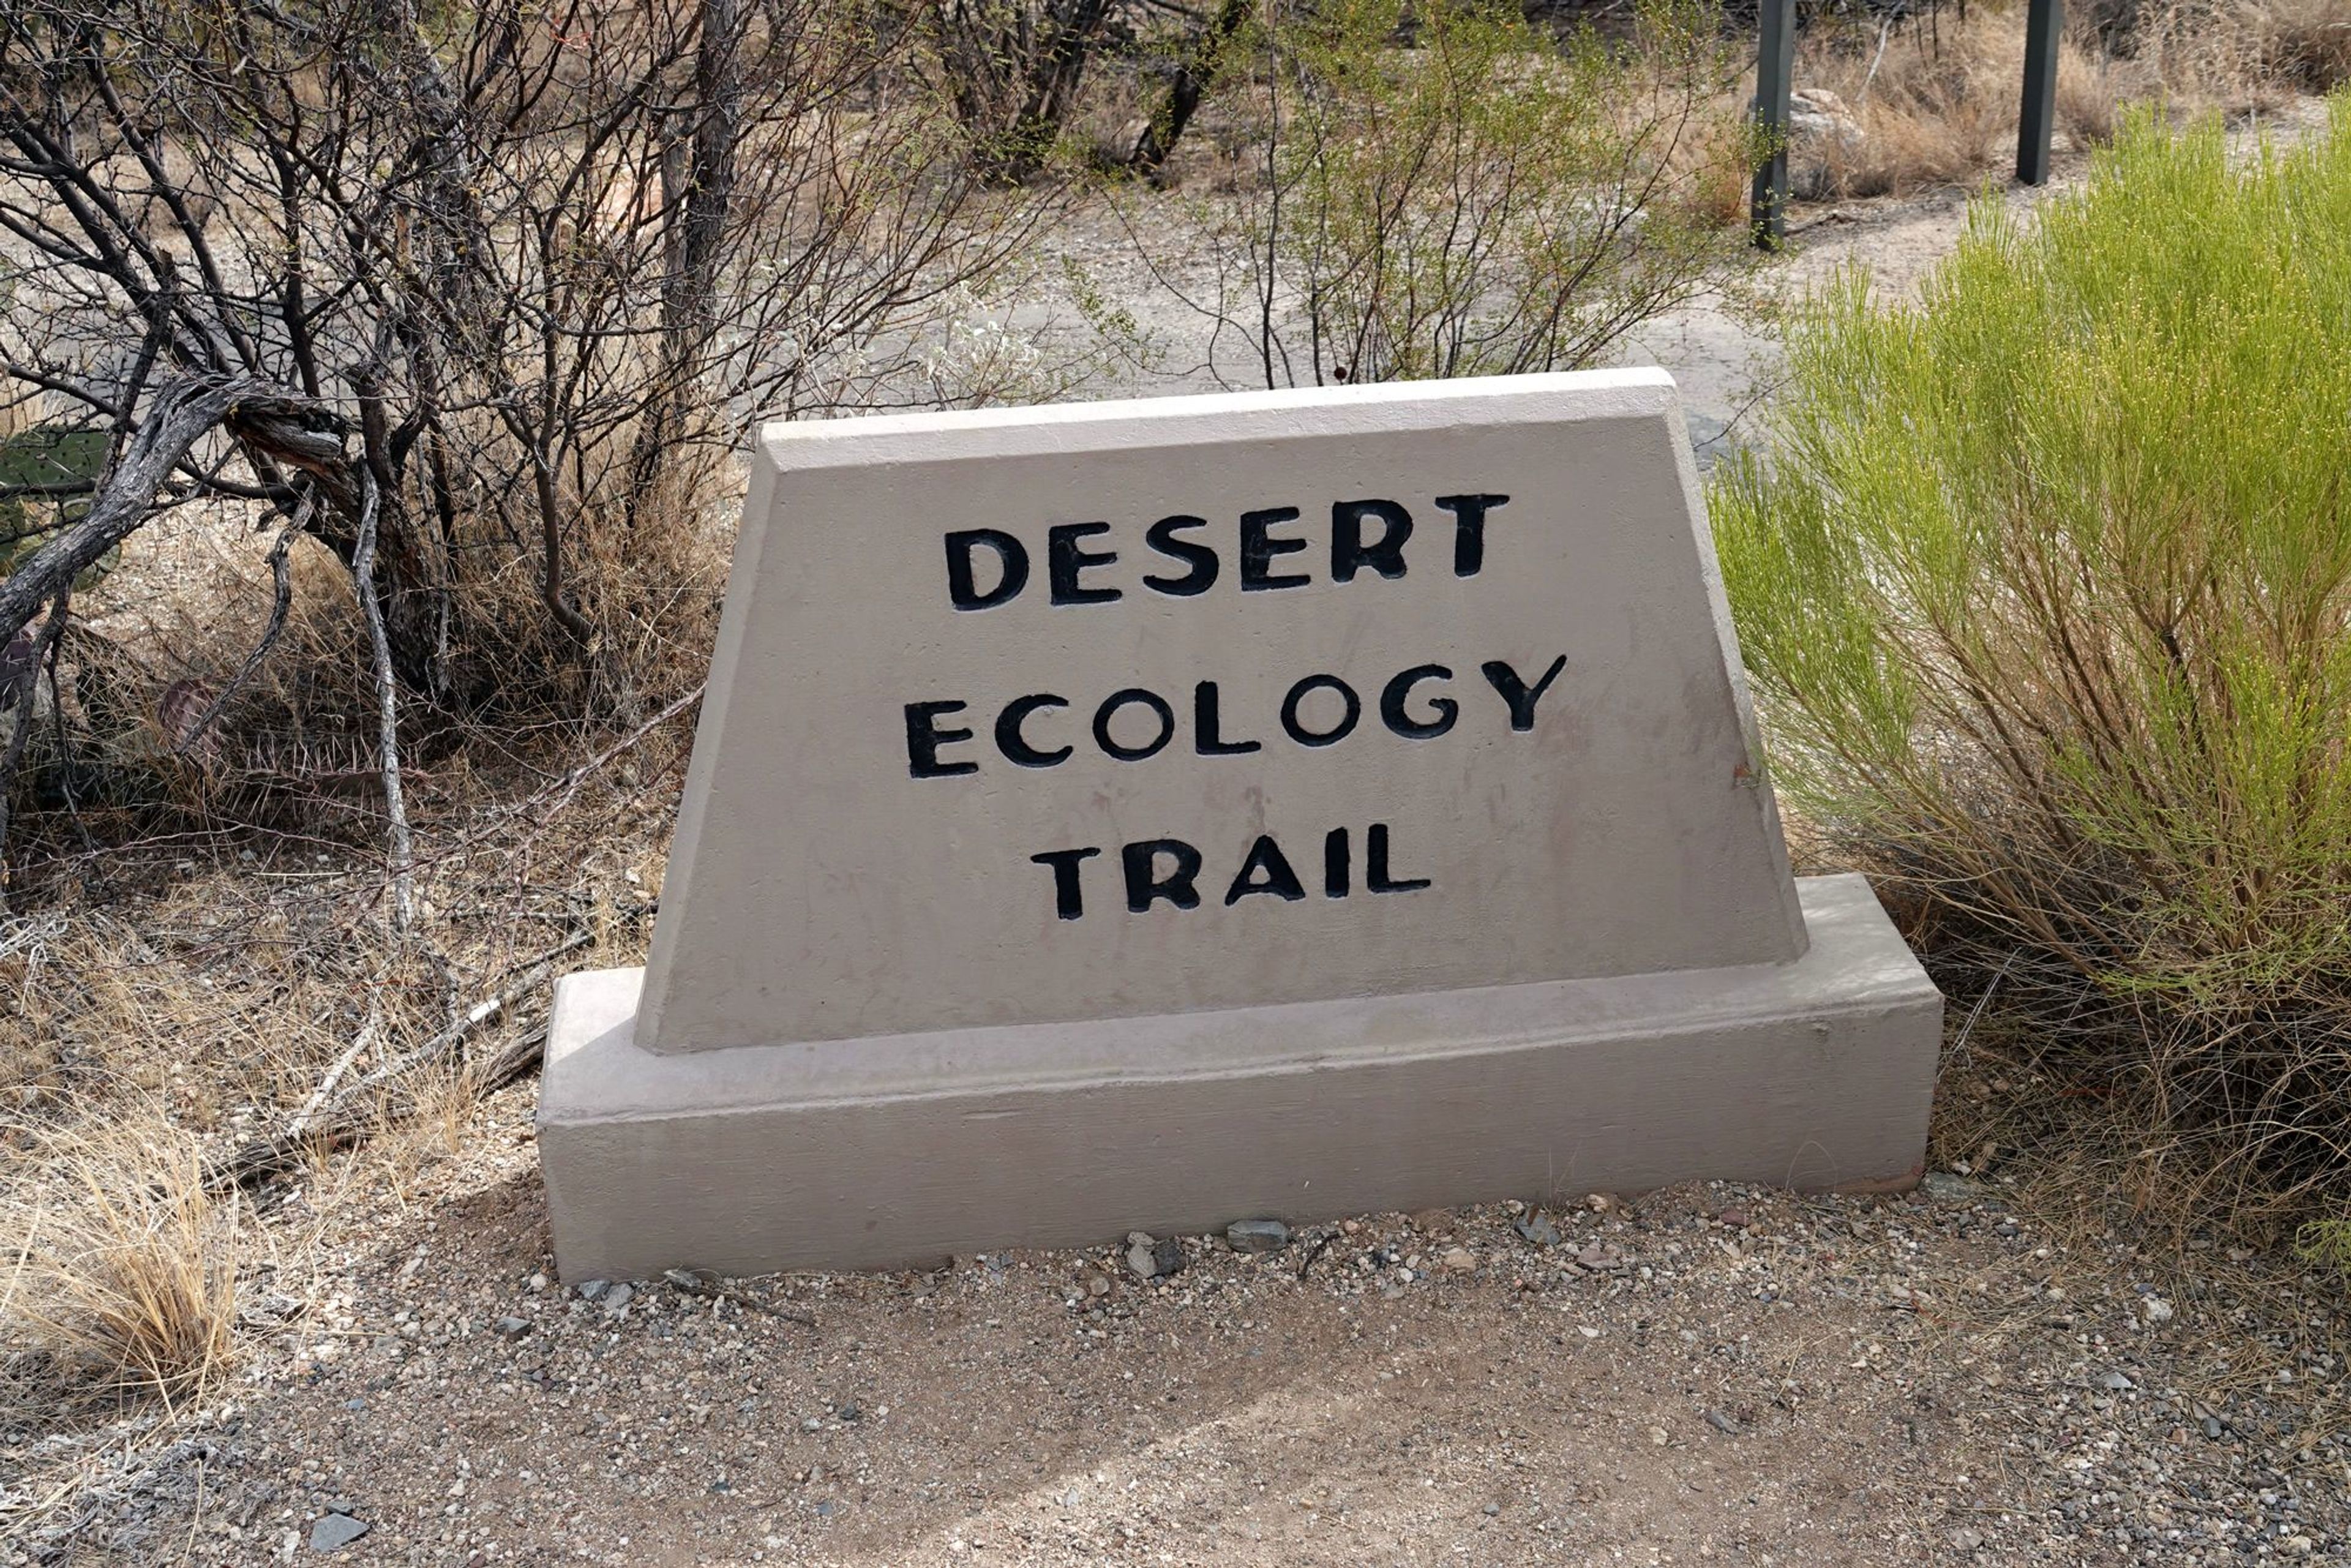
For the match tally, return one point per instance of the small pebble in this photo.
(334, 1531)
(1150, 1260)
(1944, 1186)
(1256, 1235)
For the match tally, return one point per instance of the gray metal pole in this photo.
(1775, 67)
(2036, 118)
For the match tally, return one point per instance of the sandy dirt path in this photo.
(1708, 1374)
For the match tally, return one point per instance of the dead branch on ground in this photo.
(339, 1118)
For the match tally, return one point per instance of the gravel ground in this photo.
(1709, 1373)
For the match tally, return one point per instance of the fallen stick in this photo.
(344, 1119)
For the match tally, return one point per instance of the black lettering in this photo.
(1259, 547)
(1127, 698)
(1305, 736)
(1065, 559)
(963, 590)
(1469, 529)
(1143, 884)
(924, 739)
(1349, 554)
(1265, 859)
(1008, 740)
(1201, 559)
(1205, 723)
(1395, 693)
(1068, 901)
(1375, 866)
(1517, 693)
(1334, 863)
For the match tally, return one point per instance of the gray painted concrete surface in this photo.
(1151, 815)
(895, 1152)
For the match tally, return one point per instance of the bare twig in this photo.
(1884, 30)
(281, 580)
(549, 802)
(359, 1043)
(386, 692)
(338, 1118)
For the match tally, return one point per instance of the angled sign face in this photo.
(1119, 710)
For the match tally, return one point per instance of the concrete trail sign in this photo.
(1145, 815)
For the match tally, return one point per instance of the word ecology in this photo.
(1135, 724)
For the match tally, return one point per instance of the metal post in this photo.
(1775, 67)
(2044, 22)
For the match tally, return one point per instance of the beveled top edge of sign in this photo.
(1203, 417)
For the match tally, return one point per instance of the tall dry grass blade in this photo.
(125, 1269)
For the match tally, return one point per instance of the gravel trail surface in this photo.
(1706, 1375)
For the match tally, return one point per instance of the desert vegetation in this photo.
(1489, 202)
(1899, 100)
(371, 376)
(2045, 587)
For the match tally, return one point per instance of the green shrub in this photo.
(2044, 591)
(1440, 189)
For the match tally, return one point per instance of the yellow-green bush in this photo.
(2046, 590)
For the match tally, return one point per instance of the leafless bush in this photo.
(1013, 69)
(495, 289)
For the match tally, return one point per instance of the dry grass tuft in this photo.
(1937, 99)
(124, 1270)
(2303, 43)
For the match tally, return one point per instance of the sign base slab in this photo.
(898, 1152)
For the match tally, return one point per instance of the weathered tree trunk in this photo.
(295, 432)
(1193, 74)
(175, 418)
(690, 292)
(1016, 75)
